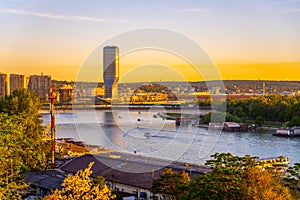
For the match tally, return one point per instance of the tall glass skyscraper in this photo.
(110, 70)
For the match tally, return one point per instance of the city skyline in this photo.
(245, 39)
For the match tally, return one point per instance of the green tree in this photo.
(259, 120)
(294, 110)
(234, 177)
(80, 186)
(22, 144)
(295, 121)
(292, 179)
(223, 182)
(23, 108)
(20, 102)
(232, 118)
(231, 177)
(171, 185)
(238, 111)
(219, 184)
(270, 108)
(215, 117)
(281, 111)
(11, 189)
(11, 160)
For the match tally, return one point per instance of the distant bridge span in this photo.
(86, 100)
(96, 100)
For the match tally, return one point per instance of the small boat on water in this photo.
(288, 132)
(147, 135)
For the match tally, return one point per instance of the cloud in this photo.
(193, 10)
(62, 17)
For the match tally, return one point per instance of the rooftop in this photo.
(133, 170)
(50, 179)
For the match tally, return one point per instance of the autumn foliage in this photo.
(231, 178)
(80, 186)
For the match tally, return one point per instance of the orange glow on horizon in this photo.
(249, 71)
(262, 71)
(168, 66)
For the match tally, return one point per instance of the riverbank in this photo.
(271, 127)
(69, 147)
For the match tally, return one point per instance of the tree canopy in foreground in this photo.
(80, 186)
(22, 144)
(232, 177)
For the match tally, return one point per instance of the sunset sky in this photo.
(246, 39)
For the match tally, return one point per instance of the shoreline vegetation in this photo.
(263, 128)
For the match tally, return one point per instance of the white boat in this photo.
(289, 132)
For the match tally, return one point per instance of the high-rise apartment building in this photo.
(110, 70)
(16, 81)
(40, 84)
(3, 85)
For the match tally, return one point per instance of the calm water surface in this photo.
(143, 133)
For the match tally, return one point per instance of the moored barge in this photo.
(288, 132)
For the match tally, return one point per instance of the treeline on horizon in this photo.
(259, 109)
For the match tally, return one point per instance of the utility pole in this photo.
(52, 98)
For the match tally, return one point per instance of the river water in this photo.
(142, 133)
